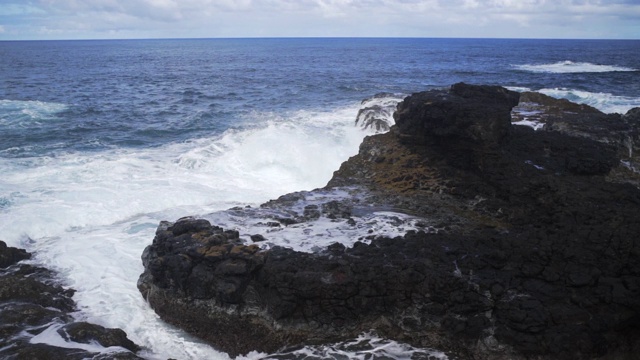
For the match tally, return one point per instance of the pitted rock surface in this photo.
(537, 256)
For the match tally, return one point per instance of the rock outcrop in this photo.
(622, 132)
(31, 303)
(536, 255)
(455, 113)
(11, 255)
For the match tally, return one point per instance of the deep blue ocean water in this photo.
(150, 92)
(101, 140)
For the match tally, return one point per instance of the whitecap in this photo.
(571, 67)
(28, 113)
(604, 102)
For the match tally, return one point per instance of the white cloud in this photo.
(229, 18)
(18, 9)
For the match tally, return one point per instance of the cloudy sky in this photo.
(99, 19)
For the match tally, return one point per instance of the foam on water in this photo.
(297, 152)
(309, 233)
(17, 113)
(52, 337)
(88, 208)
(535, 125)
(571, 67)
(89, 216)
(377, 111)
(604, 102)
(518, 88)
(364, 347)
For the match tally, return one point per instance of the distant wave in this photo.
(571, 67)
(604, 102)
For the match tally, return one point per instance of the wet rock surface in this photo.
(31, 304)
(377, 112)
(536, 253)
(620, 131)
(11, 255)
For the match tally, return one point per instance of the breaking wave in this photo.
(89, 215)
(604, 102)
(571, 67)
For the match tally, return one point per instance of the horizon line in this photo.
(319, 37)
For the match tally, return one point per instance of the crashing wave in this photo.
(605, 102)
(376, 112)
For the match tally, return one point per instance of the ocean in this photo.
(102, 140)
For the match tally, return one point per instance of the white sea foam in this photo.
(315, 234)
(535, 125)
(571, 67)
(518, 88)
(90, 215)
(604, 102)
(52, 337)
(377, 111)
(367, 346)
(14, 113)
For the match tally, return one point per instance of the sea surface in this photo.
(101, 140)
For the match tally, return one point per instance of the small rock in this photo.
(257, 238)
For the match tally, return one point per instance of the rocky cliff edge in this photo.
(533, 252)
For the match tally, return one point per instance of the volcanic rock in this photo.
(478, 113)
(31, 302)
(536, 255)
(11, 255)
(621, 132)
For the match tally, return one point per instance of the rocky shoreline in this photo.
(531, 250)
(517, 244)
(36, 318)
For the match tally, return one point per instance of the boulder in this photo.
(478, 113)
(87, 333)
(11, 255)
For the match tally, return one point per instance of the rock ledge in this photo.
(536, 255)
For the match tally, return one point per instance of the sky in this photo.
(123, 19)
